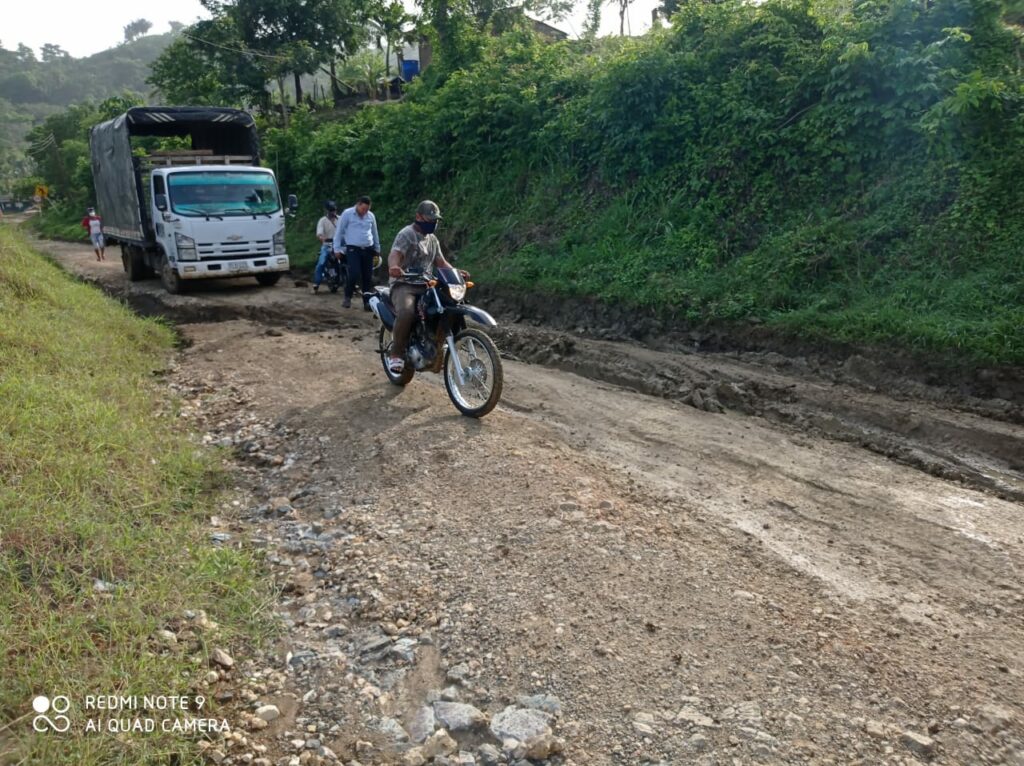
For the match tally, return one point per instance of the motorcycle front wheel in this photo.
(480, 390)
(384, 349)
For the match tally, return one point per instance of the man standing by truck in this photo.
(93, 224)
(357, 237)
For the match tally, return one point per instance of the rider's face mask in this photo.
(427, 227)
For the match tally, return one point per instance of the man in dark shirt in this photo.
(415, 249)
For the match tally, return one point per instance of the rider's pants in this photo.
(318, 274)
(404, 298)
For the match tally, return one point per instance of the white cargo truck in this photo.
(206, 212)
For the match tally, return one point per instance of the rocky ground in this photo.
(771, 561)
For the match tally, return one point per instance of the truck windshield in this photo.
(223, 193)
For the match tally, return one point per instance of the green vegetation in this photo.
(842, 173)
(99, 484)
(61, 220)
(64, 165)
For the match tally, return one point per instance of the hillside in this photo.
(31, 89)
(849, 177)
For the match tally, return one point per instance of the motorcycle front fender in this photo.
(477, 315)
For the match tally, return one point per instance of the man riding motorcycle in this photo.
(325, 233)
(415, 249)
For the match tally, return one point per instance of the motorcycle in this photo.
(335, 272)
(440, 341)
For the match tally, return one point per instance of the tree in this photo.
(362, 72)
(207, 64)
(299, 34)
(25, 54)
(137, 28)
(461, 26)
(623, 10)
(553, 10)
(51, 52)
(593, 22)
(22, 88)
(391, 23)
(176, 27)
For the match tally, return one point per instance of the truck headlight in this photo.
(278, 248)
(186, 247)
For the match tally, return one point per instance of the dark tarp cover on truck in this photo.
(116, 174)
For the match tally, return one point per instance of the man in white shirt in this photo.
(325, 229)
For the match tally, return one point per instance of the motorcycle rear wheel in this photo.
(481, 363)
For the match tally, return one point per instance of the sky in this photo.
(83, 28)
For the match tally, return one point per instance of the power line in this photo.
(244, 51)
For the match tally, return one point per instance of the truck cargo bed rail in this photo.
(179, 160)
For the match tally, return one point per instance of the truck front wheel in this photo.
(268, 279)
(169, 277)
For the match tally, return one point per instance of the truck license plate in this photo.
(236, 266)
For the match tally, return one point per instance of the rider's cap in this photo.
(331, 205)
(429, 210)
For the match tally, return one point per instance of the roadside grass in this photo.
(99, 482)
(59, 221)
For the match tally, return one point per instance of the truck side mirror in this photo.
(293, 203)
(160, 200)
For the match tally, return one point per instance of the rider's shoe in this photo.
(346, 304)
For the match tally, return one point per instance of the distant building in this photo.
(547, 32)
(506, 18)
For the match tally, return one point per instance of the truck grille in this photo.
(228, 251)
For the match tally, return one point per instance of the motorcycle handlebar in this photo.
(414, 276)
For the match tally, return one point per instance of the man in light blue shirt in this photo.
(357, 237)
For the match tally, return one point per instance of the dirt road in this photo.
(772, 561)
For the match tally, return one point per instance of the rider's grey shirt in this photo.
(419, 251)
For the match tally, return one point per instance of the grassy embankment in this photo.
(98, 482)
(60, 222)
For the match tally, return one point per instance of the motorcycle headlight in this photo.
(279, 243)
(458, 292)
(186, 247)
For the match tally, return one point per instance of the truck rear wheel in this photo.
(134, 261)
(169, 277)
(268, 279)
